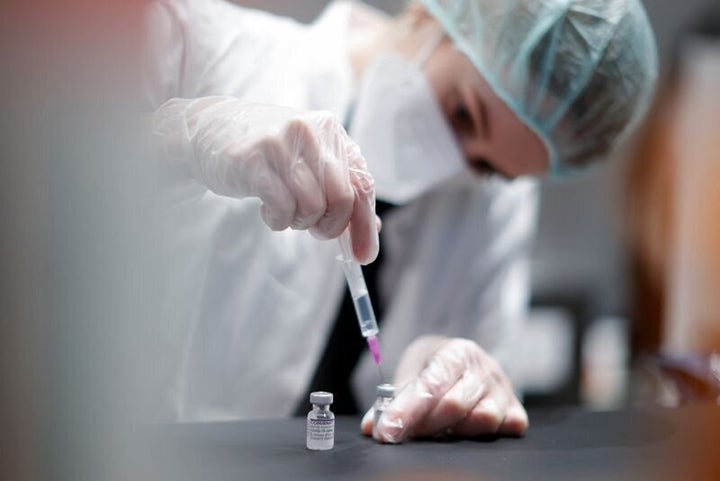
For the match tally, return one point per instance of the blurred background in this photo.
(626, 282)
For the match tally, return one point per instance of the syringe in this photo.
(361, 298)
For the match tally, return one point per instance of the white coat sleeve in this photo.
(503, 283)
(211, 47)
(184, 41)
(489, 269)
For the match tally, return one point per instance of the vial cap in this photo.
(321, 397)
(386, 390)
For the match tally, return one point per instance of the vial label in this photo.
(320, 434)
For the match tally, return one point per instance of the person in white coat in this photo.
(249, 110)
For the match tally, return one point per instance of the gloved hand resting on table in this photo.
(302, 165)
(449, 386)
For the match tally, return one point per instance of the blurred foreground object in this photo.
(76, 288)
(673, 222)
(693, 315)
(671, 381)
(674, 204)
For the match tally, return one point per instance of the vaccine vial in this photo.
(320, 422)
(385, 395)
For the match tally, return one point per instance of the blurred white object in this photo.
(605, 357)
(547, 343)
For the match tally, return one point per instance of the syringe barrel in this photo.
(355, 279)
(358, 290)
(365, 315)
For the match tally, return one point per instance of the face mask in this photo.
(402, 132)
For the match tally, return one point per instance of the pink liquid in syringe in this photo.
(374, 346)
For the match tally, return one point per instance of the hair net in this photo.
(580, 73)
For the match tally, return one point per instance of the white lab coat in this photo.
(247, 311)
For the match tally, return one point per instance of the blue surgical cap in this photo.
(580, 73)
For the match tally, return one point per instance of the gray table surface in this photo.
(561, 444)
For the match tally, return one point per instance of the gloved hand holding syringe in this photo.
(361, 298)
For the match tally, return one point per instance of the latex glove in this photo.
(448, 386)
(302, 165)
